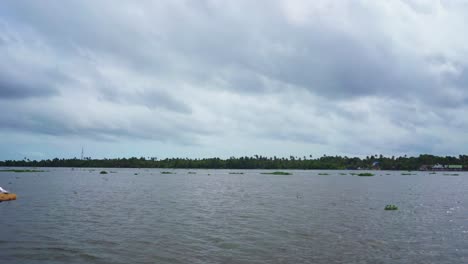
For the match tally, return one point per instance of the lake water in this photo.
(80, 216)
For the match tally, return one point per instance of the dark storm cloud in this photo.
(20, 87)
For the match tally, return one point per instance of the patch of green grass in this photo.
(21, 171)
(391, 207)
(236, 173)
(366, 174)
(167, 172)
(103, 172)
(277, 173)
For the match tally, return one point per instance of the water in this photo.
(80, 216)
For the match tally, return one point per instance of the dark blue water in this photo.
(81, 216)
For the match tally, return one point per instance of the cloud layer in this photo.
(222, 78)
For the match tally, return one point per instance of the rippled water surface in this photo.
(143, 216)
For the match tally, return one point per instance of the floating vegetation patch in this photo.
(406, 173)
(191, 172)
(167, 172)
(451, 174)
(277, 173)
(322, 173)
(342, 173)
(366, 174)
(432, 172)
(21, 171)
(236, 173)
(103, 172)
(391, 207)
(135, 174)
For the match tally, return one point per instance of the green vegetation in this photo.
(256, 162)
(391, 207)
(236, 173)
(191, 172)
(451, 174)
(277, 173)
(365, 174)
(323, 173)
(167, 172)
(103, 172)
(21, 171)
(341, 173)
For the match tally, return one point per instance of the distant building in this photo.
(455, 167)
(376, 165)
(438, 167)
(425, 167)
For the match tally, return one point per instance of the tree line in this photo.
(254, 162)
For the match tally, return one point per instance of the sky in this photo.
(228, 78)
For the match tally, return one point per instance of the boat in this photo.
(7, 197)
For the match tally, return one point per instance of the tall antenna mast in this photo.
(82, 152)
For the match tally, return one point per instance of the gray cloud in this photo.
(330, 75)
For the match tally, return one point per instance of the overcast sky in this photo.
(232, 78)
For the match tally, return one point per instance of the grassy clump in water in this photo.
(406, 173)
(391, 207)
(277, 173)
(103, 172)
(167, 172)
(21, 171)
(322, 173)
(191, 172)
(342, 173)
(451, 174)
(236, 173)
(366, 174)
(432, 172)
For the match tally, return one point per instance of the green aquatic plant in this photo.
(405, 173)
(191, 172)
(21, 171)
(451, 174)
(277, 173)
(433, 172)
(167, 172)
(322, 173)
(366, 174)
(391, 207)
(103, 172)
(342, 173)
(236, 173)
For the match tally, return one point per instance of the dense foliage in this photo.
(255, 162)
